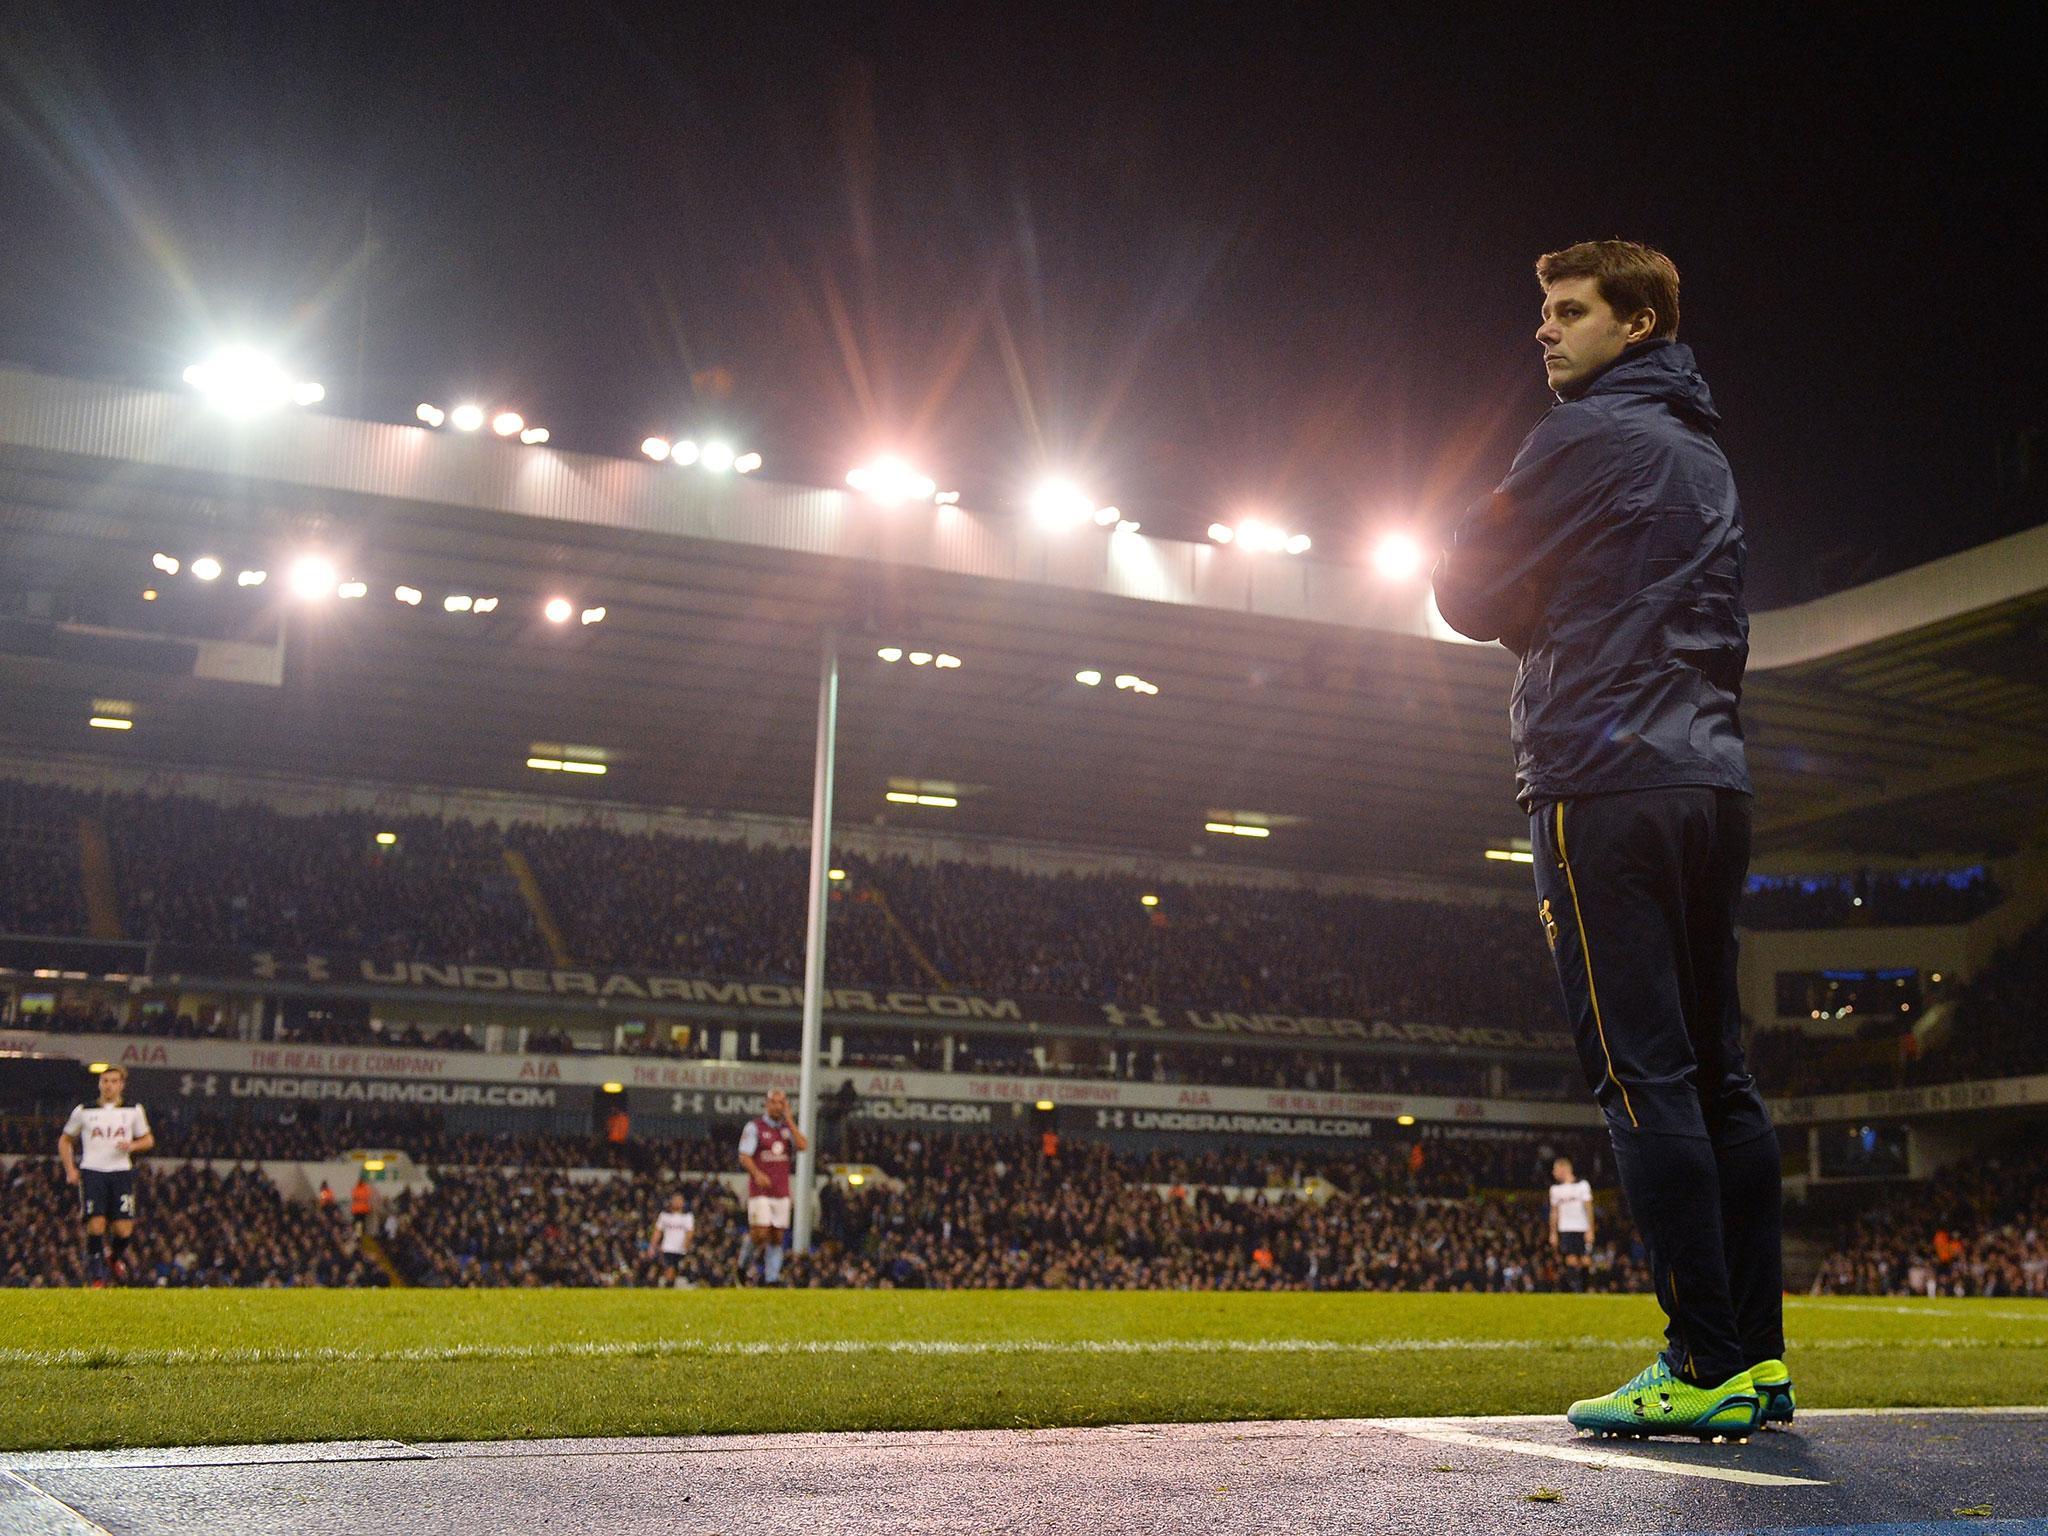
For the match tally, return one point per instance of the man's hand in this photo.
(71, 1173)
(1553, 1242)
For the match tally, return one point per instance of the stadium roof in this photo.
(1907, 718)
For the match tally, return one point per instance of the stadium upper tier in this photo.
(1908, 717)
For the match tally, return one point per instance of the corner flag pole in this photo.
(814, 941)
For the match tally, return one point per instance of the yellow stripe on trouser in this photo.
(1586, 954)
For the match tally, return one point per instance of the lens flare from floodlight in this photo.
(593, 616)
(891, 653)
(508, 423)
(1222, 533)
(746, 463)
(457, 602)
(1060, 504)
(716, 457)
(352, 589)
(558, 610)
(410, 596)
(242, 381)
(466, 417)
(251, 578)
(656, 448)
(206, 568)
(685, 453)
(168, 564)
(432, 415)
(1396, 557)
(533, 437)
(1088, 677)
(313, 577)
(891, 482)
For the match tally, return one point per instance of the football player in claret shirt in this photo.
(767, 1146)
(110, 1133)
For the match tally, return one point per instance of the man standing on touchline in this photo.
(767, 1146)
(1610, 561)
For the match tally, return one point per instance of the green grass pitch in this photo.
(134, 1368)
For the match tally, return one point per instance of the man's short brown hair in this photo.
(1630, 277)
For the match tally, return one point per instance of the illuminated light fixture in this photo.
(856, 1179)
(149, 594)
(313, 577)
(905, 797)
(251, 578)
(373, 1165)
(1107, 517)
(244, 382)
(1404, 1119)
(1258, 536)
(168, 564)
(920, 658)
(352, 589)
(545, 764)
(947, 498)
(1088, 677)
(432, 415)
(656, 448)
(686, 453)
(558, 610)
(1396, 557)
(1136, 684)
(457, 602)
(484, 605)
(1222, 533)
(533, 437)
(716, 457)
(1236, 829)
(593, 615)
(1298, 544)
(570, 765)
(891, 653)
(835, 874)
(206, 568)
(945, 662)
(1148, 900)
(1061, 504)
(746, 463)
(508, 423)
(891, 482)
(1511, 855)
(110, 723)
(1126, 526)
(410, 596)
(91, 1066)
(1043, 1104)
(386, 839)
(466, 417)
(614, 1087)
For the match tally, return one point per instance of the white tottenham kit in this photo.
(1573, 1203)
(105, 1133)
(675, 1227)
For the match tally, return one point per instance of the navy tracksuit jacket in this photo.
(1610, 561)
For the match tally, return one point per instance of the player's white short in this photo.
(767, 1211)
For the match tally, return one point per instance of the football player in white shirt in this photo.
(670, 1240)
(1571, 1222)
(111, 1133)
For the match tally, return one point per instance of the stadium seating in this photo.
(1979, 1228)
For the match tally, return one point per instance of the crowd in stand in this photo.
(1912, 898)
(1979, 1228)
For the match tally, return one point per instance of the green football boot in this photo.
(1658, 1403)
(1774, 1385)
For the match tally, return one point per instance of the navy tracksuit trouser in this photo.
(1637, 892)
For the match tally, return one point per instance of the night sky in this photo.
(1206, 258)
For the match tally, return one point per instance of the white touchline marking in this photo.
(598, 1349)
(56, 1514)
(1443, 1433)
(1934, 1311)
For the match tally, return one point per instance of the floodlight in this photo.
(1107, 517)
(684, 452)
(466, 417)
(313, 577)
(1061, 504)
(891, 653)
(1404, 1119)
(1221, 533)
(1126, 526)
(1511, 855)
(110, 723)
(410, 596)
(614, 1087)
(1088, 677)
(656, 448)
(1043, 1104)
(1396, 557)
(570, 765)
(206, 568)
(244, 382)
(508, 423)
(168, 564)
(251, 578)
(149, 594)
(386, 839)
(1148, 900)
(1236, 829)
(484, 605)
(747, 463)
(947, 498)
(456, 602)
(835, 874)
(920, 658)
(891, 482)
(558, 610)
(716, 457)
(593, 615)
(352, 589)
(545, 764)
(945, 662)
(533, 437)
(432, 415)
(1298, 544)
(308, 393)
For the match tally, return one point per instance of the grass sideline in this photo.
(121, 1368)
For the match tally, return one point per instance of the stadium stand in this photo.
(1909, 898)
(1979, 1228)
